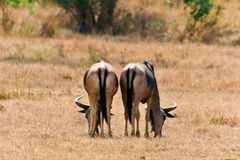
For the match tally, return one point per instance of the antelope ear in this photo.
(169, 115)
(167, 110)
(170, 108)
(83, 111)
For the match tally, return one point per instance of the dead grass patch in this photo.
(52, 54)
(162, 62)
(201, 130)
(26, 93)
(197, 119)
(67, 77)
(2, 108)
(224, 84)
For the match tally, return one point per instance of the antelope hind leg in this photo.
(93, 118)
(147, 118)
(126, 123)
(109, 102)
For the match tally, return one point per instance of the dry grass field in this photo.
(40, 78)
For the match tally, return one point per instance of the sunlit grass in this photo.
(38, 117)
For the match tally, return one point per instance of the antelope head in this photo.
(164, 113)
(87, 110)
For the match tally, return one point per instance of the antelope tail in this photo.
(130, 78)
(102, 75)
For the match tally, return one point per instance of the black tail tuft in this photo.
(130, 93)
(102, 86)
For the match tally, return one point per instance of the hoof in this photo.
(146, 135)
(132, 134)
(110, 134)
(138, 134)
(126, 134)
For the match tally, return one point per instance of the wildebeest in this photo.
(87, 110)
(138, 84)
(101, 84)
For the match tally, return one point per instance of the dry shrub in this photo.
(156, 26)
(123, 22)
(166, 22)
(50, 25)
(35, 20)
(47, 30)
(7, 22)
(141, 23)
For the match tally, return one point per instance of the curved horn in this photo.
(77, 102)
(172, 107)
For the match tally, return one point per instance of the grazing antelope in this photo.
(138, 84)
(101, 84)
(87, 110)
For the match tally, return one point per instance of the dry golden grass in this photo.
(42, 77)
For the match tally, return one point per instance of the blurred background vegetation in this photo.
(207, 21)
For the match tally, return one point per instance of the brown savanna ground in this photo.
(40, 79)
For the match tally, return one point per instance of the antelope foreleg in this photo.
(137, 119)
(102, 124)
(93, 121)
(126, 123)
(147, 116)
(133, 122)
(109, 102)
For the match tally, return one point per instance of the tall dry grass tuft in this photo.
(2, 108)
(4, 93)
(222, 117)
(94, 54)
